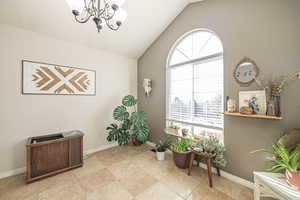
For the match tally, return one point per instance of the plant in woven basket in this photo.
(130, 123)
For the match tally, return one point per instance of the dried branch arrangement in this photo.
(276, 89)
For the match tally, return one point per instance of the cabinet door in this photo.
(76, 151)
(49, 158)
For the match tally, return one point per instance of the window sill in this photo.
(171, 131)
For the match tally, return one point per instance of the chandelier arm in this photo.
(101, 11)
(83, 21)
(88, 5)
(107, 16)
(111, 26)
(92, 8)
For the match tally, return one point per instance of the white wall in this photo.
(22, 116)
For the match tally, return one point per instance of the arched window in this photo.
(195, 84)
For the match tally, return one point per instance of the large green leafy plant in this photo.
(130, 122)
(283, 158)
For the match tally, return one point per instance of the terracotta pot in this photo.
(293, 178)
(134, 141)
(181, 159)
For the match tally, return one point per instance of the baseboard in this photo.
(224, 174)
(150, 144)
(87, 152)
(232, 177)
(12, 172)
(102, 148)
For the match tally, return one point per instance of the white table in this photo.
(274, 185)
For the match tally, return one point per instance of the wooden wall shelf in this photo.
(253, 116)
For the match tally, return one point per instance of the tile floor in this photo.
(125, 173)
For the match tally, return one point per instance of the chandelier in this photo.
(102, 12)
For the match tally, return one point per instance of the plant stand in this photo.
(209, 158)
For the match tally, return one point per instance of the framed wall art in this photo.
(255, 99)
(51, 79)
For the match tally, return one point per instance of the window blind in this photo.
(195, 92)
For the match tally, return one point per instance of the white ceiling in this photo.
(146, 21)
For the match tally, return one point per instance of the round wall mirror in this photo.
(246, 71)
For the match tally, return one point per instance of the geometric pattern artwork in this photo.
(43, 78)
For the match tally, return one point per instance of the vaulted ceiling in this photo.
(146, 20)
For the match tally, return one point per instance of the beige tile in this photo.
(91, 164)
(67, 189)
(121, 169)
(232, 189)
(180, 183)
(112, 191)
(95, 180)
(137, 181)
(110, 157)
(143, 159)
(205, 193)
(127, 173)
(158, 192)
(201, 175)
(159, 169)
(18, 189)
(133, 178)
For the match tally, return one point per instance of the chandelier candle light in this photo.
(107, 12)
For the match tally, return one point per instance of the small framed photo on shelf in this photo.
(256, 101)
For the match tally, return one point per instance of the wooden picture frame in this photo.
(39, 78)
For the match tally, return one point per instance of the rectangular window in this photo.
(195, 96)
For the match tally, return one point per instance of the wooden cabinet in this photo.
(52, 154)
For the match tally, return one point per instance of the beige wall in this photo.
(267, 31)
(22, 116)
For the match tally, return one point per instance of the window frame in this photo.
(193, 62)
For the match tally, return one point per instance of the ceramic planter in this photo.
(160, 155)
(182, 159)
(293, 178)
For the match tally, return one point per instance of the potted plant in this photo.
(182, 152)
(212, 145)
(131, 124)
(161, 148)
(285, 159)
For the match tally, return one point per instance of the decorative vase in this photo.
(160, 155)
(271, 108)
(277, 106)
(293, 178)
